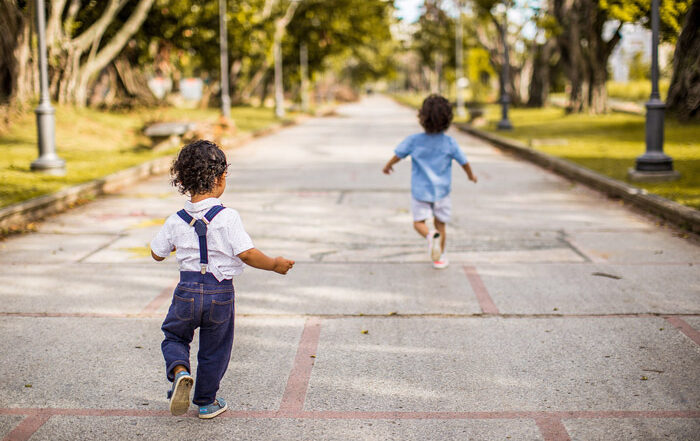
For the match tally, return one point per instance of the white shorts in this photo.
(425, 210)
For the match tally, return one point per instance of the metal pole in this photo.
(223, 46)
(459, 58)
(304, 66)
(48, 161)
(654, 164)
(504, 123)
(279, 91)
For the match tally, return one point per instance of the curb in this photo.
(16, 217)
(680, 215)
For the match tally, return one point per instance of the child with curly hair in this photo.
(211, 247)
(432, 153)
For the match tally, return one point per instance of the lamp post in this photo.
(654, 164)
(48, 161)
(459, 57)
(223, 47)
(504, 123)
(279, 91)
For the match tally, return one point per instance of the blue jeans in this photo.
(200, 301)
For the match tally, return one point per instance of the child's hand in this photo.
(473, 179)
(389, 167)
(282, 265)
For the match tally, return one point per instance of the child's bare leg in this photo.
(179, 368)
(440, 226)
(421, 228)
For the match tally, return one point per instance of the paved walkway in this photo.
(563, 315)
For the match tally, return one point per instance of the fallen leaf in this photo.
(644, 378)
(27, 385)
(609, 276)
(364, 331)
(312, 356)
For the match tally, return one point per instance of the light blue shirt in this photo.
(431, 164)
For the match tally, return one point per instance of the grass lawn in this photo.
(95, 143)
(607, 144)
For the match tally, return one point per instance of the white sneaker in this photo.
(434, 248)
(441, 263)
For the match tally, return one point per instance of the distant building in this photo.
(635, 39)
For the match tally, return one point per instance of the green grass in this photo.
(637, 91)
(607, 143)
(95, 144)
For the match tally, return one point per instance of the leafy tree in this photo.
(585, 52)
(434, 41)
(84, 37)
(488, 30)
(355, 31)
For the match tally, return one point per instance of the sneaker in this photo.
(180, 393)
(213, 409)
(434, 247)
(441, 263)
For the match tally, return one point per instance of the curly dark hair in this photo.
(435, 114)
(197, 167)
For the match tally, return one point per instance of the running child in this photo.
(211, 247)
(431, 154)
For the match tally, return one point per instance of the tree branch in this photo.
(53, 27)
(85, 39)
(70, 18)
(111, 49)
(610, 45)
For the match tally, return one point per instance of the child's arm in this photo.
(257, 259)
(156, 257)
(468, 170)
(388, 168)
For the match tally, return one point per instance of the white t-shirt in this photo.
(226, 238)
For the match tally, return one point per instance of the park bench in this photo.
(167, 134)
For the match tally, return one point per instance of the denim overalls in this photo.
(200, 301)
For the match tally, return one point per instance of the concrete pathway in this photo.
(562, 316)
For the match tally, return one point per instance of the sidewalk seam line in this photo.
(482, 295)
(685, 328)
(28, 426)
(298, 381)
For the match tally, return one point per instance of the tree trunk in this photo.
(16, 62)
(584, 52)
(541, 74)
(495, 50)
(134, 82)
(72, 71)
(597, 92)
(567, 14)
(684, 93)
(247, 92)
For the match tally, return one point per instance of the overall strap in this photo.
(200, 227)
(213, 211)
